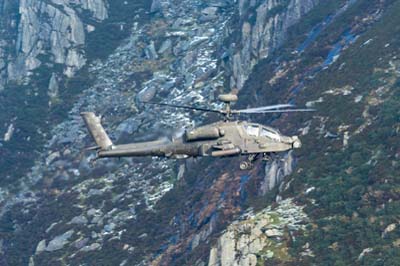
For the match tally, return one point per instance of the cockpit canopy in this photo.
(256, 130)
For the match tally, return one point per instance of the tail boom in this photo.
(158, 148)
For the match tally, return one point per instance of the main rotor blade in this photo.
(264, 108)
(279, 111)
(184, 107)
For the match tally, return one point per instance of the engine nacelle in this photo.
(204, 133)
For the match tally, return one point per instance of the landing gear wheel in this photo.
(245, 165)
(248, 164)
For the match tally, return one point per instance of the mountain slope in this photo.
(334, 202)
(355, 201)
(347, 173)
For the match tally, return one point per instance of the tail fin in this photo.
(96, 130)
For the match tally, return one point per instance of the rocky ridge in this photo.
(258, 238)
(262, 29)
(48, 32)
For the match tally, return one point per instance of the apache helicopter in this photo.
(227, 137)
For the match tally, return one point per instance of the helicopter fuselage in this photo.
(220, 139)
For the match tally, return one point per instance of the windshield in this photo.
(269, 133)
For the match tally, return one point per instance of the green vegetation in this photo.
(356, 186)
(27, 107)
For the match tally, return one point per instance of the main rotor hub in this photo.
(227, 99)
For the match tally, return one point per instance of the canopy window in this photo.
(252, 130)
(266, 132)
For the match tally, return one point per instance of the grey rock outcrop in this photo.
(79, 220)
(41, 247)
(209, 13)
(275, 171)
(59, 241)
(53, 29)
(151, 52)
(165, 47)
(247, 242)
(92, 247)
(53, 89)
(260, 37)
(8, 35)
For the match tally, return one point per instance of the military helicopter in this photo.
(228, 137)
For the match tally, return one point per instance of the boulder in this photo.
(40, 247)
(79, 220)
(59, 241)
(273, 233)
(150, 51)
(81, 243)
(209, 13)
(146, 94)
(92, 247)
(165, 47)
(109, 227)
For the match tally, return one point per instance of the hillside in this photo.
(335, 201)
(348, 168)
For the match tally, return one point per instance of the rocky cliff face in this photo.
(262, 28)
(8, 27)
(48, 32)
(258, 239)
